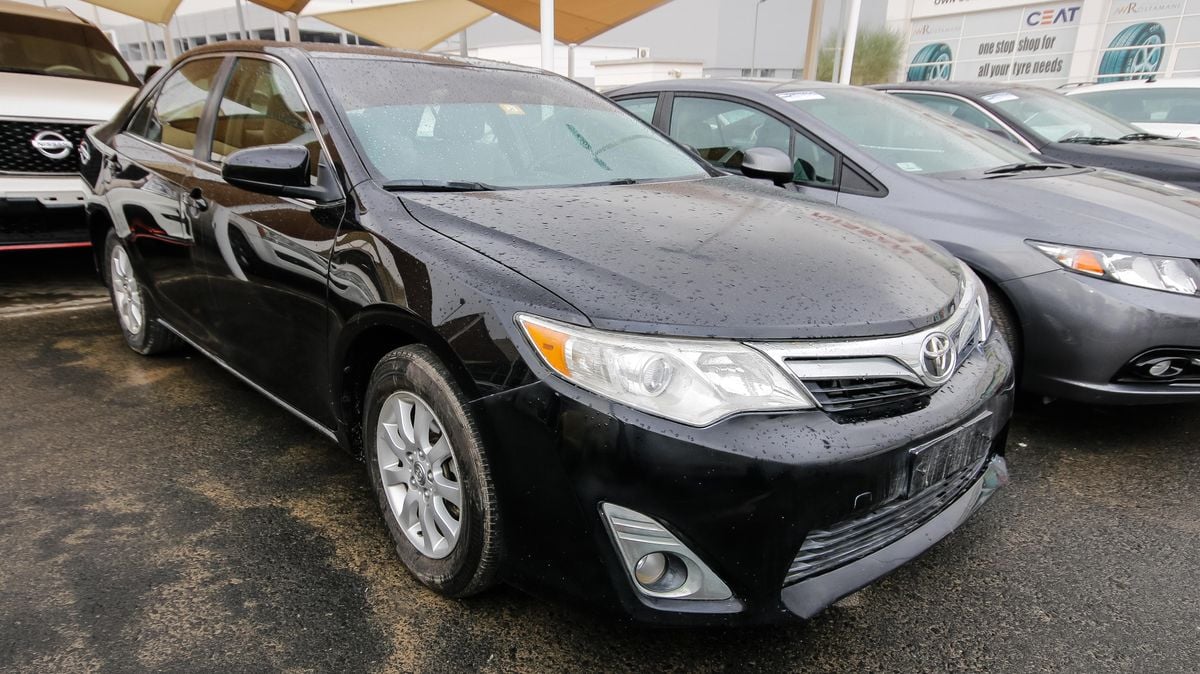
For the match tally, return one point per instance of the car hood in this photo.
(1097, 208)
(49, 97)
(720, 257)
(1173, 160)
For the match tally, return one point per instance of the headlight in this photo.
(693, 381)
(1172, 274)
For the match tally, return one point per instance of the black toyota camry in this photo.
(572, 356)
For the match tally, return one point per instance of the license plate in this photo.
(947, 456)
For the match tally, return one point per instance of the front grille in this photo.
(825, 550)
(17, 154)
(854, 394)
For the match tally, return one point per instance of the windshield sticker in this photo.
(510, 109)
(908, 166)
(1000, 97)
(793, 96)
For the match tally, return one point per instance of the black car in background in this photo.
(571, 355)
(1094, 275)
(1059, 128)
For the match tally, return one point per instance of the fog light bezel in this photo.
(637, 536)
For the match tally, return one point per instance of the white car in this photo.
(1168, 107)
(59, 75)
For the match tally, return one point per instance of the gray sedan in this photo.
(1095, 273)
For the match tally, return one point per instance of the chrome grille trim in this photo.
(831, 370)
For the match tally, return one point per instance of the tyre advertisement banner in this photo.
(1028, 43)
(1146, 38)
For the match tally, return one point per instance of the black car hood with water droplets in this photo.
(722, 257)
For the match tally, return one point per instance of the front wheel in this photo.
(427, 465)
(135, 314)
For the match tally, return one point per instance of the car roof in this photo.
(1175, 82)
(51, 13)
(318, 50)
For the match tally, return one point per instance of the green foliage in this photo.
(876, 57)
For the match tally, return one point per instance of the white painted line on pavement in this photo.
(57, 307)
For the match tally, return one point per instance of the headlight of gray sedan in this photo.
(1172, 274)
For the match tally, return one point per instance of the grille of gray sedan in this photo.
(825, 550)
(18, 155)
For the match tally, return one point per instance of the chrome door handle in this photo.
(196, 200)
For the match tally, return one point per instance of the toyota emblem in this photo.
(51, 144)
(938, 357)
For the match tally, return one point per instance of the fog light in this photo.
(651, 568)
(1160, 368)
(661, 572)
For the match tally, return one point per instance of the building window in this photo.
(265, 34)
(766, 72)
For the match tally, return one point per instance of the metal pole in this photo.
(812, 48)
(241, 13)
(168, 43)
(547, 29)
(293, 27)
(571, 60)
(462, 43)
(841, 40)
(851, 39)
(150, 57)
(754, 40)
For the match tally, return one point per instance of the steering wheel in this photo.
(64, 70)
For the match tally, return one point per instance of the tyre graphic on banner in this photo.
(1135, 53)
(932, 62)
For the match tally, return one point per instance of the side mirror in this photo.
(767, 163)
(278, 170)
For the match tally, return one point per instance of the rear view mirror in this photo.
(279, 170)
(767, 163)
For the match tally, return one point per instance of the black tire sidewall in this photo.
(469, 567)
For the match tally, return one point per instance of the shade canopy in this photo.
(575, 21)
(408, 24)
(280, 5)
(154, 11)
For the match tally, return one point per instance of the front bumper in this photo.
(1079, 332)
(742, 495)
(42, 211)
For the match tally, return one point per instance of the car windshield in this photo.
(30, 44)
(1174, 105)
(421, 123)
(1054, 117)
(904, 135)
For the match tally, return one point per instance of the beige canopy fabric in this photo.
(408, 24)
(280, 5)
(575, 21)
(154, 11)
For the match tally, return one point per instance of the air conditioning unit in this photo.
(643, 52)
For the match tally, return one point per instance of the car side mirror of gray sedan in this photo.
(279, 170)
(767, 163)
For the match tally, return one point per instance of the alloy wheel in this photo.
(420, 474)
(126, 292)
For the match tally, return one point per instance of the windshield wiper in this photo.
(1093, 140)
(1024, 166)
(438, 186)
(1144, 136)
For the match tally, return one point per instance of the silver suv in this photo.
(59, 75)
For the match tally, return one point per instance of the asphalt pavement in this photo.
(158, 515)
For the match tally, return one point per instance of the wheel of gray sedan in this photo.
(1005, 322)
(135, 313)
(430, 473)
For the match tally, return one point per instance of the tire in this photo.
(1142, 58)
(936, 59)
(135, 311)
(420, 470)
(1005, 322)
